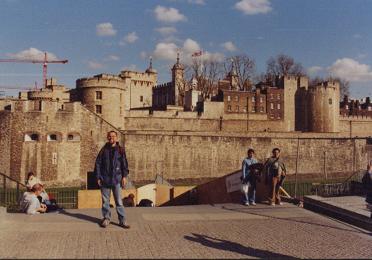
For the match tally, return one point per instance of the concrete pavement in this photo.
(202, 231)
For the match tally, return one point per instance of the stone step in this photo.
(349, 209)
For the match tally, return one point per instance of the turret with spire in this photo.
(177, 80)
(150, 69)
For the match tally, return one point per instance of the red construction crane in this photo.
(44, 62)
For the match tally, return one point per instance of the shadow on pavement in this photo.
(234, 247)
(247, 211)
(81, 216)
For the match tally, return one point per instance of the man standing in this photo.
(275, 173)
(111, 171)
(248, 179)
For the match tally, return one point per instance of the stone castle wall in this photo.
(178, 145)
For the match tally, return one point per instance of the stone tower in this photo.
(104, 95)
(324, 108)
(177, 81)
(289, 83)
(301, 97)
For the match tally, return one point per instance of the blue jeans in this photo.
(106, 211)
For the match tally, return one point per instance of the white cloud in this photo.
(198, 2)
(168, 51)
(165, 51)
(166, 30)
(252, 7)
(351, 70)
(112, 58)
(95, 65)
(168, 15)
(32, 54)
(229, 46)
(314, 70)
(105, 29)
(129, 38)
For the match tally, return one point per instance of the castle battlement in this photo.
(102, 81)
(164, 85)
(40, 106)
(325, 84)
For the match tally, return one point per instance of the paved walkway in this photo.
(203, 231)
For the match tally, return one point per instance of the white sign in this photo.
(233, 182)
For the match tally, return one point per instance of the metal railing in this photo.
(10, 190)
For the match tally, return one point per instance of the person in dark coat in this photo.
(111, 170)
(367, 185)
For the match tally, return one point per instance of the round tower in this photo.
(104, 95)
(323, 107)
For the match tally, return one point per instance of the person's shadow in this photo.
(234, 247)
(80, 216)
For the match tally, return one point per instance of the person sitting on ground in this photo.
(31, 181)
(29, 202)
(367, 185)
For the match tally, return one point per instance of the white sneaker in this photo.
(246, 203)
(272, 204)
(253, 203)
(281, 203)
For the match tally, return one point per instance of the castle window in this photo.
(236, 98)
(244, 110)
(52, 137)
(228, 108)
(253, 109)
(98, 95)
(278, 106)
(346, 107)
(369, 108)
(32, 137)
(261, 99)
(261, 109)
(278, 96)
(237, 108)
(141, 98)
(271, 105)
(330, 101)
(73, 137)
(271, 96)
(228, 98)
(98, 109)
(253, 99)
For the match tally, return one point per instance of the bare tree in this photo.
(207, 72)
(244, 68)
(283, 65)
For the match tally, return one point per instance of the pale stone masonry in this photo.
(57, 133)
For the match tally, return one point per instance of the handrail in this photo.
(5, 178)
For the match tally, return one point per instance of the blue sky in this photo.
(329, 37)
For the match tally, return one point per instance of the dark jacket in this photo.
(111, 172)
(367, 185)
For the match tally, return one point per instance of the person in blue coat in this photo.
(111, 169)
(248, 179)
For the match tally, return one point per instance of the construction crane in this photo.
(44, 62)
